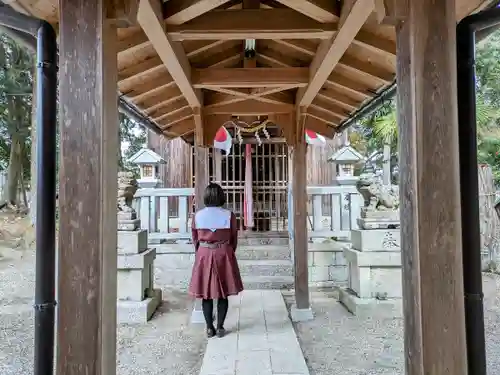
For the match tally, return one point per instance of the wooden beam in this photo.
(151, 20)
(251, 24)
(325, 116)
(211, 125)
(146, 67)
(161, 97)
(431, 230)
(334, 95)
(323, 11)
(250, 77)
(227, 96)
(386, 12)
(180, 128)
(198, 132)
(87, 292)
(124, 13)
(321, 127)
(330, 53)
(248, 108)
(174, 116)
(330, 107)
(180, 11)
(137, 92)
(175, 104)
(196, 47)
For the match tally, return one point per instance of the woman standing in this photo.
(215, 272)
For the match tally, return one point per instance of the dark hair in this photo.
(214, 196)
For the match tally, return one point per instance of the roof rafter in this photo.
(179, 11)
(348, 60)
(320, 10)
(150, 18)
(353, 17)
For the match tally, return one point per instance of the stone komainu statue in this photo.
(127, 186)
(377, 196)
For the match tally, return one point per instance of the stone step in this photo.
(266, 267)
(267, 282)
(263, 252)
(263, 240)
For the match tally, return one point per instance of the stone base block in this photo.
(133, 312)
(129, 225)
(370, 213)
(376, 239)
(132, 242)
(374, 282)
(122, 215)
(365, 308)
(301, 315)
(136, 261)
(373, 258)
(366, 223)
(135, 275)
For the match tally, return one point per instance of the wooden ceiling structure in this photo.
(182, 63)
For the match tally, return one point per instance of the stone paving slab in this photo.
(260, 339)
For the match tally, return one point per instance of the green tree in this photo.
(15, 115)
(132, 139)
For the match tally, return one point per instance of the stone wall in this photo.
(327, 265)
(173, 266)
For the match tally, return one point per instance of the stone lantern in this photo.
(345, 159)
(149, 163)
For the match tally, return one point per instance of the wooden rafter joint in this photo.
(123, 13)
(388, 12)
(353, 16)
(198, 127)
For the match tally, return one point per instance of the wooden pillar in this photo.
(200, 183)
(86, 334)
(431, 239)
(300, 240)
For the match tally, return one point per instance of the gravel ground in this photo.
(167, 345)
(336, 342)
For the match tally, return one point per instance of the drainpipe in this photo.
(469, 192)
(46, 90)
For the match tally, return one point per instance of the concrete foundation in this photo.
(301, 315)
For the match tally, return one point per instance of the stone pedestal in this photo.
(374, 267)
(137, 298)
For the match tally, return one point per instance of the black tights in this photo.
(208, 312)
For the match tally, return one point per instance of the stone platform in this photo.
(260, 339)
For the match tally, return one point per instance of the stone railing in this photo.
(333, 210)
(166, 212)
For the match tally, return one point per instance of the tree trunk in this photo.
(488, 220)
(387, 162)
(14, 170)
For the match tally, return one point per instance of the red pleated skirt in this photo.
(215, 274)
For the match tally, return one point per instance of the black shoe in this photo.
(210, 332)
(221, 332)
